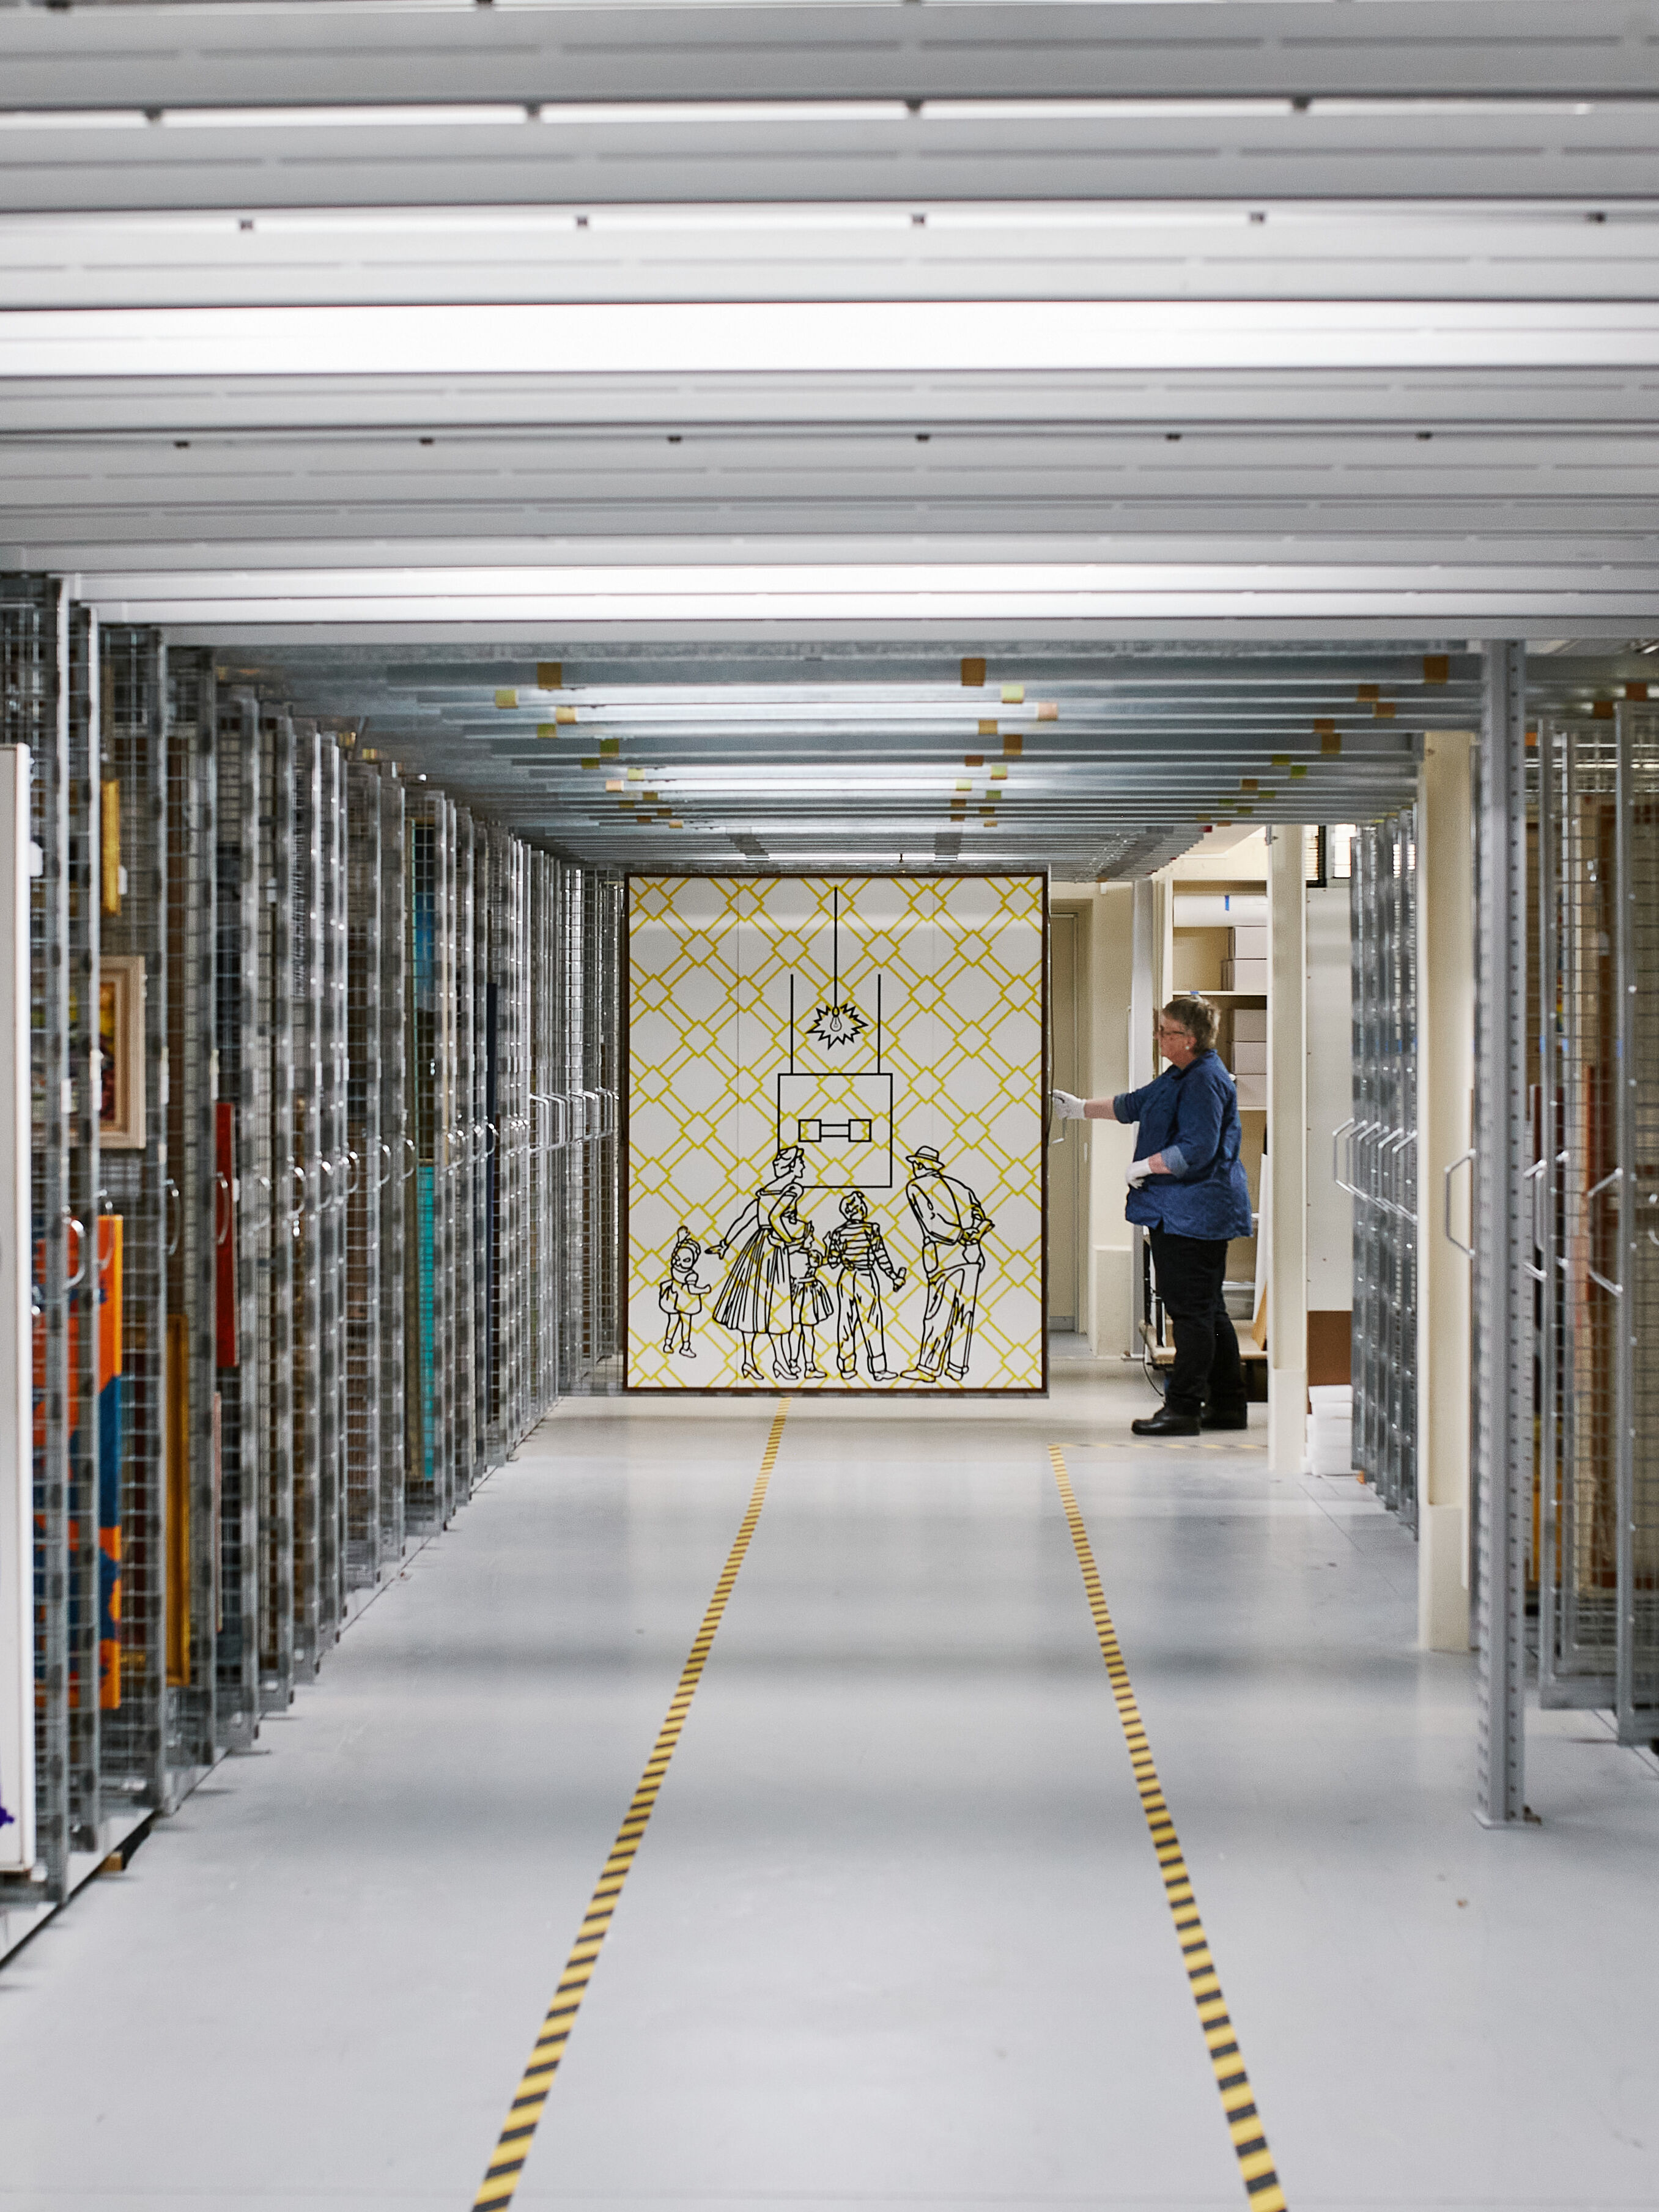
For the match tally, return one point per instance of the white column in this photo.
(1287, 1151)
(1445, 1086)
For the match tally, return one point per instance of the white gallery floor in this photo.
(897, 1934)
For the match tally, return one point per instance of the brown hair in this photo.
(1195, 1015)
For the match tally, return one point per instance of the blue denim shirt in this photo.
(1190, 1115)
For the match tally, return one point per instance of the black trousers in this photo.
(1190, 1273)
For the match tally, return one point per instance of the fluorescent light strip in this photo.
(675, 114)
(688, 337)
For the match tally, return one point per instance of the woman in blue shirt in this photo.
(1186, 1187)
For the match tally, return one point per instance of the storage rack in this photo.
(1381, 1165)
(1596, 1193)
(368, 1229)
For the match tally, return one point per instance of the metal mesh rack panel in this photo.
(311, 1190)
(242, 1185)
(364, 1180)
(35, 642)
(1382, 1152)
(192, 1499)
(1594, 1226)
(133, 712)
(550, 1118)
(396, 1170)
(470, 1324)
(334, 1169)
(432, 1114)
(85, 1285)
(277, 1174)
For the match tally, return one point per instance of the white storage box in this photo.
(1249, 1058)
(1251, 1025)
(1330, 1429)
(1244, 975)
(1249, 944)
(1253, 1093)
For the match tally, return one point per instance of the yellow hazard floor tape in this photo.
(1244, 2124)
(524, 2114)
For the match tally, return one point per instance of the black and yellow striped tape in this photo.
(524, 2114)
(1237, 2100)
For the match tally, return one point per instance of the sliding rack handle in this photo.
(414, 1158)
(296, 1214)
(222, 1219)
(1534, 1174)
(171, 1192)
(594, 1114)
(493, 1134)
(381, 1146)
(1341, 1130)
(1614, 1289)
(1463, 1160)
(356, 1182)
(327, 1202)
(73, 1221)
(561, 1104)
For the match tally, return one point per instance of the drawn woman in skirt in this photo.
(755, 1299)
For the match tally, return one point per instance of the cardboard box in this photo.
(1253, 1093)
(1249, 1025)
(1244, 975)
(1249, 1058)
(1249, 944)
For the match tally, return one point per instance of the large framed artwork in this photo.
(835, 1150)
(121, 1040)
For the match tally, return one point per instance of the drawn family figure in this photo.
(680, 1295)
(756, 1299)
(809, 1302)
(953, 1225)
(858, 1252)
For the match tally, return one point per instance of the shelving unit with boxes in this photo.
(1218, 944)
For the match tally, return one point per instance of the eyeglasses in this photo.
(1172, 1029)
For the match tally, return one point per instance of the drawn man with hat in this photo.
(953, 1225)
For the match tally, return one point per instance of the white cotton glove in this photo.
(1067, 1107)
(1136, 1173)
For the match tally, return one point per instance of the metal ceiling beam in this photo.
(129, 55)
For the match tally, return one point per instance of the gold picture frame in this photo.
(121, 1043)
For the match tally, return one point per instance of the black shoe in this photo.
(1237, 1417)
(1164, 1423)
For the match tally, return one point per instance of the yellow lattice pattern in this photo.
(960, 961)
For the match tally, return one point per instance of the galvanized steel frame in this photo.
(1503, 1382)
(1381, 1156)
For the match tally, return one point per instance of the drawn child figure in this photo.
(858, 1251)
(680, 1295)
(809, 1302)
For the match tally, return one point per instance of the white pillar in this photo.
(1287, 1151)
(1445, 1086)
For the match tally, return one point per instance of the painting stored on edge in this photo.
(835, 1133)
